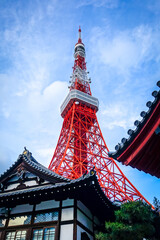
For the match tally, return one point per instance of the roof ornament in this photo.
(118, 146)
(123, 140)
(155, 94)
(130, 132)
(26, 152)
(149, 104)
(92, 171)
(143, 114)
(137, 123)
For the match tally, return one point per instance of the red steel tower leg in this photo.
(81, 145)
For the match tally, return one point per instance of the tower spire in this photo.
(79, 78)
(79, 39)
(81, 145)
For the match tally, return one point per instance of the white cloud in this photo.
(5, 112)
(38, 113)
(118, 114)
(99, 3)
(32, 89)
(117, 109)
(126, 51)
(49, 99)
(44, 155)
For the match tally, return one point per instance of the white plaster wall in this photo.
(80, 230)
(66, 232)
(84, 209)
(67, 214)
(31, 183)
(22, 208)
(47, 205)
(84, 220)
(11, 186)
(28, 184)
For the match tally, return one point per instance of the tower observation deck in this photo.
(81, 146)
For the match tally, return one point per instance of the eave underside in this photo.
(148, 158)
(144, 151)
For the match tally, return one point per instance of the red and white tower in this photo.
(81, 145)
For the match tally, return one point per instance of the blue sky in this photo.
(37, 40)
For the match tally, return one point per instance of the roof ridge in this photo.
(30, 160)
(34, 163)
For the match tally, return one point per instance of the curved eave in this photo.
(30, 161)
(85, 189)
(142, 149)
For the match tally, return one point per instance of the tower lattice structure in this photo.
(81, 146)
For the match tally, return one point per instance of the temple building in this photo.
(38, 204)
(142, 149)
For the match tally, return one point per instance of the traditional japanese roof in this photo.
(142, 149)
(53, 186)
(28, 161)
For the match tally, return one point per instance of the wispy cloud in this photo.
(44, 153)
(126, 51)
(118, 114)
(32, 86)
(99, 3)
(154, 6)
(122, 62)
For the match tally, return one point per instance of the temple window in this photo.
(16, 235)
(46, 217)
(19, 220)
(44, 234)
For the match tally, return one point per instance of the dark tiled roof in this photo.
(49, 186)
(91, 175)
(85, 188)
(27, 157)
(26, 190)
(121, 147)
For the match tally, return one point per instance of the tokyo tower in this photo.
(81, 146)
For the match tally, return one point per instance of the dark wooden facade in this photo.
(36, 203)
(142, 149)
